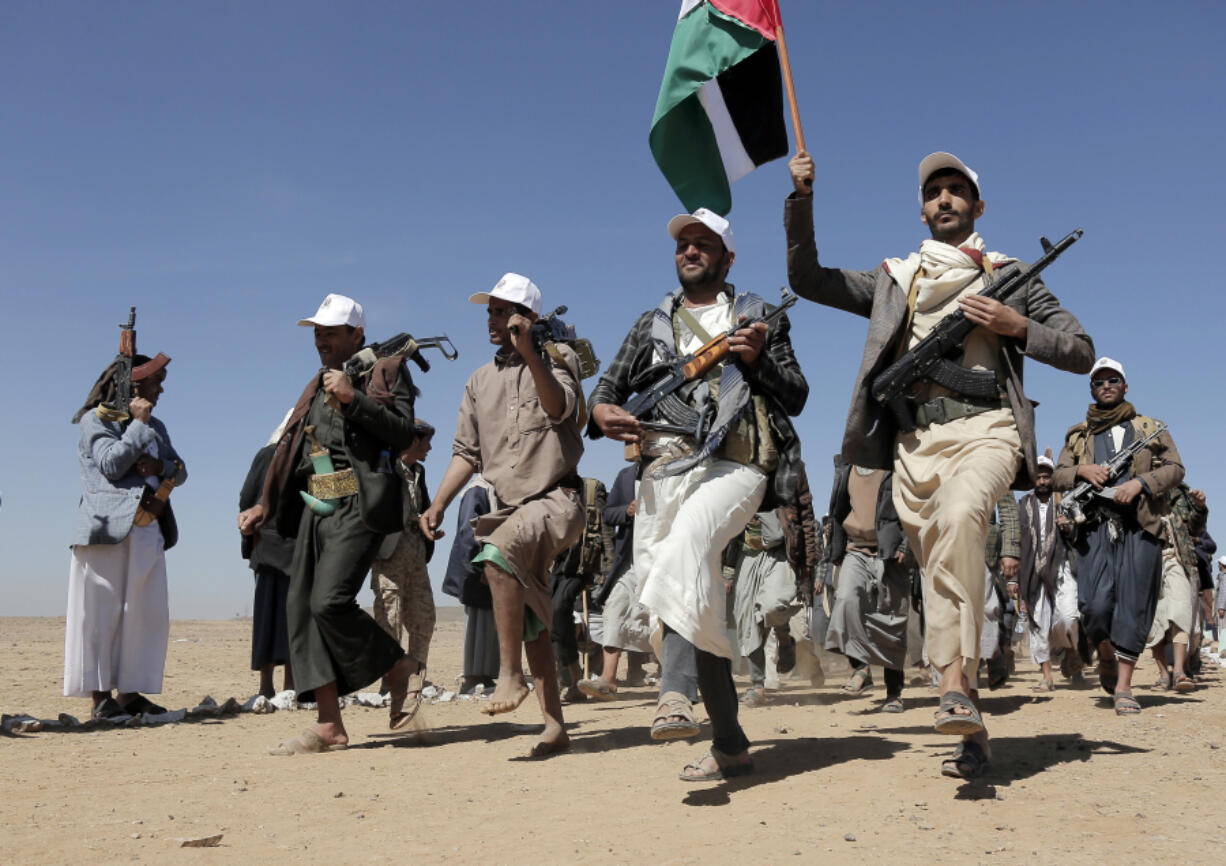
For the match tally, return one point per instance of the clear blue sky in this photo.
(224, 165)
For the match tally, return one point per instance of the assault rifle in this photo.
(930, 358)
(404, 345)
(682, 370)
(1073, 506)
(549, 329)
(117, 409)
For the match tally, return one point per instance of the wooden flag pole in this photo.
(786, 66)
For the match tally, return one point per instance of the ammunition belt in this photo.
(333, 485)
(942, 410)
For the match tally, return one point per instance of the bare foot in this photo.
(331, 733)
(508, 694)
(550, 744)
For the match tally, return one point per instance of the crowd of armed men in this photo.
(706, 550)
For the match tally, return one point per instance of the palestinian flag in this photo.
(720, 111)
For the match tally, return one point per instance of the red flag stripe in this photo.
(761, 15)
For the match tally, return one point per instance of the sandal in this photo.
(1163, 683)
(967, 761)
(892, 705)
(141, 704)
(674, 718)
(403, 708)
(948, 721)
(861, 681)
(725, 767)
(108, 710)
(1184, 684)
(753, 697)
(1045, 686)
(597, 688)
(1125, 704)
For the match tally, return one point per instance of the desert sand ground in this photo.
(836, 780)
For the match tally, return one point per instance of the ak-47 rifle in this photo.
(549, 330)
(117, 409)
(930, 359)
(710, 353)
(1075, 503)
(404, 345)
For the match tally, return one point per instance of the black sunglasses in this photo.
(1111, 380)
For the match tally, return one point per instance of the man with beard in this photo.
(1046, 588)
(1119, 555)
(1175, 620)
(334, 455)
(518, 426)
(965, 451)
(697, 495)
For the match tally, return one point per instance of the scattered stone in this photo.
(202, 842)
(287, 700)
(431, 692)
(849, 837)
(446, 697)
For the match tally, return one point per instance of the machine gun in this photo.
(1073, 506)
(117, 409)
(405, 345)
(549, 330)
(681, 370)
(930, 358)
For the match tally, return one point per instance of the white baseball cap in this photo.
(336, 310)
(1105, 363)
(935, 162)
(1044, 460)
(1222, 561)
(515, 288)
(708, 218)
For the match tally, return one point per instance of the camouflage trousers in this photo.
(404, 602)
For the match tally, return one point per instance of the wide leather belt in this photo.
(942, 410)
(333, 485)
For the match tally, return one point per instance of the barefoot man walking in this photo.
(519, 427)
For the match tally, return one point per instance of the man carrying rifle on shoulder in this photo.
(1119, 546)
(334, 458)
(710, 453)
(964, 450)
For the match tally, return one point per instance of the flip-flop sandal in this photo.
(967, 761)
(861, 681)
(1045, 686)
(725, 768)
(598, 689)
(406, 703)
(946, 721)
(674, 706)
(307, 743)
(893, 705)
(1125, 704)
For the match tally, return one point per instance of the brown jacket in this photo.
(1054, 336)
(1157, 466)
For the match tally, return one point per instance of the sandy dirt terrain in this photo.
(1069, 780)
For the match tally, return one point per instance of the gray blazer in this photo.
(1053, 336)
(108, 453)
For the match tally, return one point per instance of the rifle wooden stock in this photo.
(708, 355)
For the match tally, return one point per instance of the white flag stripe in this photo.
(687, 6)
(736, 160)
